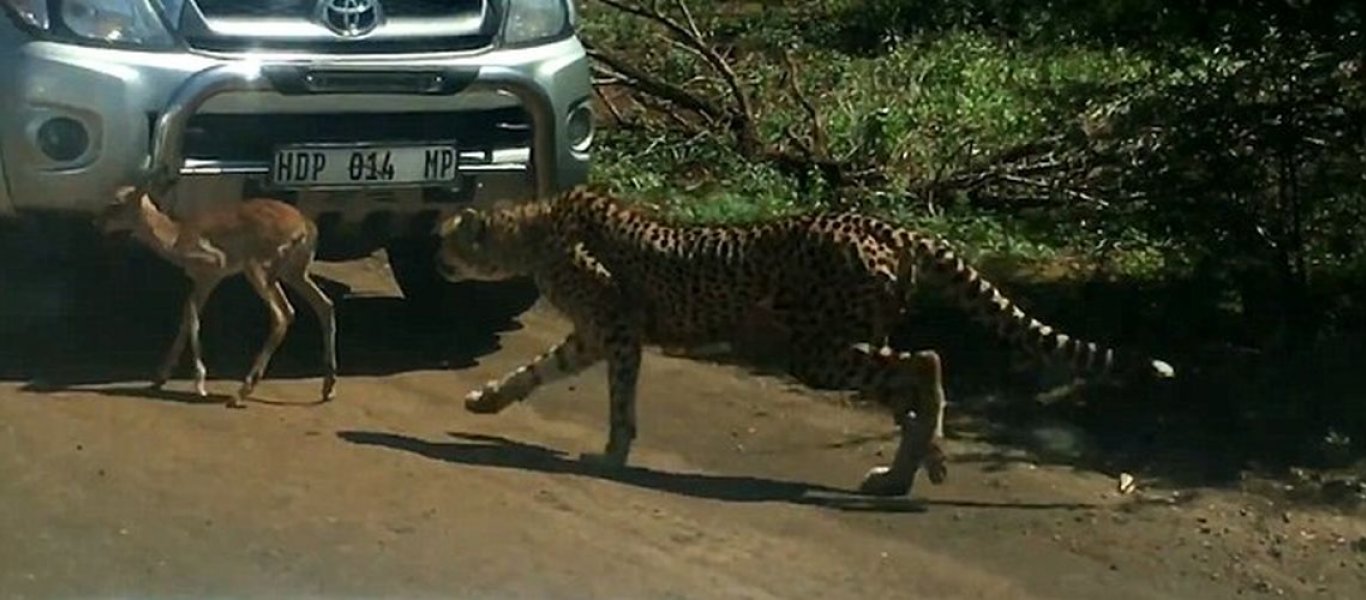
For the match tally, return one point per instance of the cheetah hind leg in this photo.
(912, 451)
(623, 374)
(911, 386)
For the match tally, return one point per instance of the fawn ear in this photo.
(126, 194)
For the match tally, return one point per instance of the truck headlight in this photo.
(136, 23)
(528, 22)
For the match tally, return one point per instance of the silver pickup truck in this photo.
(375, 117)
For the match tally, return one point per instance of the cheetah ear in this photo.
(445, 227)
(474, 224)
(456, 221)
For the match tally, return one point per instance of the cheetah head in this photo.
(481, 246)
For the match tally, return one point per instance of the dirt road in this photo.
(393, 490)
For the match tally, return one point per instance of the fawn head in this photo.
(127, 212)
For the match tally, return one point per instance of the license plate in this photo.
(363, 166)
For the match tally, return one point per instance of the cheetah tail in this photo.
(985, 303)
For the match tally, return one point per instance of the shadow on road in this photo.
(119, 330)
(494, 451)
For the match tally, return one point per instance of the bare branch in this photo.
(610, 106)
(820, 140)
(657, 87)
(742, 120)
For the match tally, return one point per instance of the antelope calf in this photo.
(265, 240)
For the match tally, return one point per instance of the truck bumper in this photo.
(133, 109)
(6, 204)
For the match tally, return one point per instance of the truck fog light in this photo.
(580, 127)
(63, 139)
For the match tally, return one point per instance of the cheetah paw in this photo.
(881, 481)
(485, 402)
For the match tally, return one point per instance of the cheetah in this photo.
(832, 285)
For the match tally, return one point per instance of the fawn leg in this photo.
(189, 331)
(281, 316)
(303, 285)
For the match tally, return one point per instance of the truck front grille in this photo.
(409, 26)
(303, 9)
(389, 46)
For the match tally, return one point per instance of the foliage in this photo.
(1216, 145)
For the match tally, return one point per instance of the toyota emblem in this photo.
(350, 18)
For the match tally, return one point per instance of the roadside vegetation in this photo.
(1184, 176)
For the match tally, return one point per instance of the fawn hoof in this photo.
(156, 385)
(329, 389)
(881, 481)
(235, 403)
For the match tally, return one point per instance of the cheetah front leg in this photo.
(570, 356)
(623, 349)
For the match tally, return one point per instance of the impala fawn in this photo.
(265, 240)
